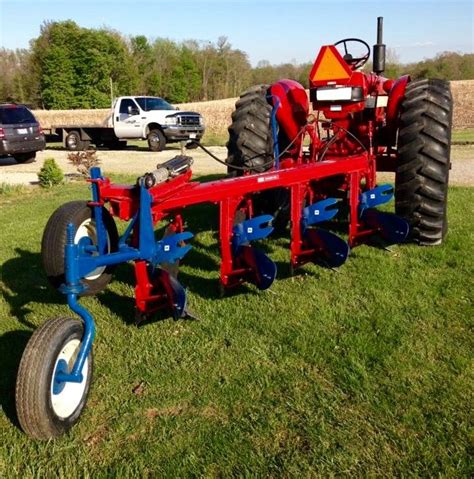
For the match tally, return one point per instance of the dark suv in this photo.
(20, 134)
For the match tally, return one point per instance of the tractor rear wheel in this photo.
(250, 142)
(250, 147)
(424, 143)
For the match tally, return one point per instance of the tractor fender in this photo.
(396, 95)
(294, 106)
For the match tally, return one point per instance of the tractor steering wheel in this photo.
(358, 62)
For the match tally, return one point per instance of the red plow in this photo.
(290, 168)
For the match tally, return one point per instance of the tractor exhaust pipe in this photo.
(379, 49)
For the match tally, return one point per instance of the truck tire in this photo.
(250, 146)
(25, 157)
(73, 141)
(156, 140)
(424, 143)
(54, 240)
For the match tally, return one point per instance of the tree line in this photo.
(70, 67)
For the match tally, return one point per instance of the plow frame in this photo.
(168, 200)
(144, 207)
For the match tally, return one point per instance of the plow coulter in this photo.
(291, 168)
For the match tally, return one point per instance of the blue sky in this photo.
(274, 30)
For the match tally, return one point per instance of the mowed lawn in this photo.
(367, 371)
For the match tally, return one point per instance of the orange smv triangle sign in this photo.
(330, 66)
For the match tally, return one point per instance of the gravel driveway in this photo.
(139, 161)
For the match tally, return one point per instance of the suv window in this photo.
(10, 115)
(125, 103)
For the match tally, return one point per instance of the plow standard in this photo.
(287, 166)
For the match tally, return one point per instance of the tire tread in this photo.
(54, 239)
(424, 142)
(31, 375)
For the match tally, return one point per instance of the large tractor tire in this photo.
(250, 147)
(424, 143)
(250, 142)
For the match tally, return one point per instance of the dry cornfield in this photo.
(50, 118)
(217, 113)
(463, 94)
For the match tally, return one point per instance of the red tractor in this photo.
(285, 163)
(401, 126)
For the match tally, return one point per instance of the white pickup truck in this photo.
(135, 118)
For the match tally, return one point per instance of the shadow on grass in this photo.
(23, 282)
(12, 345)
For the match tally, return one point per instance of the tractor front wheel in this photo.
(424, 143)
(47, 408)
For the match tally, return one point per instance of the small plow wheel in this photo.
(54, 240)
(47, 408)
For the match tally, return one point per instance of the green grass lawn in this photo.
(463, 136)
(367, 371)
